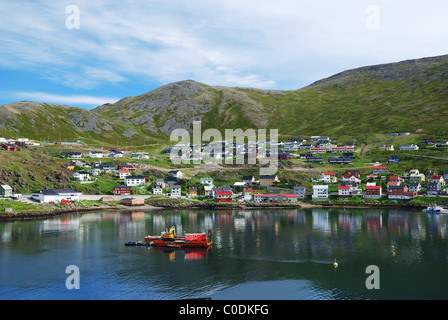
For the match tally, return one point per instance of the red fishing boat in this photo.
(169, 239)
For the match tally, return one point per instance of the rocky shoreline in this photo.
(293, 205)
(177, 205)
(46, 214)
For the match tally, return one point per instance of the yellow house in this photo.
(386, 147)
(417, 178)
(267, 181)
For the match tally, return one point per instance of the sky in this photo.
(85, 53)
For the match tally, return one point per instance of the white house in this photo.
(157, 189)
(349, 189)
(56, 195)
(208, 189)
(81, 175)
(72, 155)
(408, 147)
(175, 191)
(351, 178)
(95, 171)
(328, 177)
(160, 182)
(247, 194)
(438, 179)
(140, 156)
(96, 154)
(249, 179)
(415, 186)
(320, 192)
(344, 191)
(122, 174)
(176, 174)
(208, 181)
(300, 192)
(130, 181)
(116, 154)
(5, 191)
(239, 184)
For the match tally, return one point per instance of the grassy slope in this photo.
(51, 122)
(31, 170)
(360, 108)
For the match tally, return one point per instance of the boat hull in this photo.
(189, 240)
(180, 244)
(434, 209)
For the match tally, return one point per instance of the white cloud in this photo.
(227, 42)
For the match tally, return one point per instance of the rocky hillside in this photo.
(32, 170)
(417, 69)
(44, 121)
(178, 104)
(405, 96)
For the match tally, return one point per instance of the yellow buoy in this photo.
(335, 264)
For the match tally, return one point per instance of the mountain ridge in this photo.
(401, 96)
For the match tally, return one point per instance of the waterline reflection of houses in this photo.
(64, 224)
(398, 223)
(208, 222)
(239, 224)
(157, 220)
(437, 226)
(349, 222)
(374, 224)
(321, 220)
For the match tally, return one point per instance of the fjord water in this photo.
(256, 254)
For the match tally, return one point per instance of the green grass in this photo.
(426, 201)
(18, 206)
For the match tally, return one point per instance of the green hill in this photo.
(405, 96)
(42, 121)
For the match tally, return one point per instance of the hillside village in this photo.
(341, 178)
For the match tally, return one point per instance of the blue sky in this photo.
(126, 48)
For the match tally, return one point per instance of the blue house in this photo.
(393, 159)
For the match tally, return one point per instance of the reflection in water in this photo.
(285, 254)
(186, 254)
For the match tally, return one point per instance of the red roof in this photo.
(347, 176)
(224, 193)
(373, 187)
(289, 195)
(436, 177)
(329, 173)
(380, 167)
(343, 187)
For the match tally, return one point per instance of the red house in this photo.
(344, 192)
(126, 167)
(10, 147)
(401, 193)
(122, 190)
(373, 192)
(379, 169)
(223, 196)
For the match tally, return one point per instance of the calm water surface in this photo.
(256, 254)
